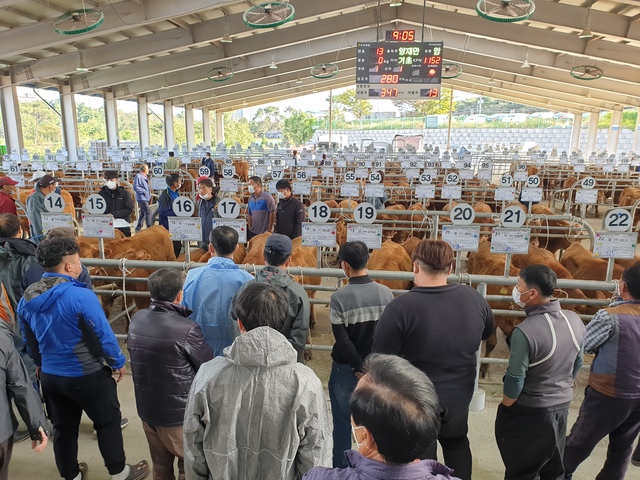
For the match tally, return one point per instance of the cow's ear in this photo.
(600, 295)
(107, 252)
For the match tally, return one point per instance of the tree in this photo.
(267, 119)
(490, 106)
(237, 131)
(358, 108)
(298, 126)
(421, 108)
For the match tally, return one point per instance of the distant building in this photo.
(379, 115)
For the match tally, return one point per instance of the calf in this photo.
(392, 258)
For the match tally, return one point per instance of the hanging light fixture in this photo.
(526, 63)
(396, 3)
(586, 32)
(299, 80)
(273, 65)
(492, 80)
(226, 38)
(165, 84)
(81, 66)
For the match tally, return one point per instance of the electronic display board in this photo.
(399, 69)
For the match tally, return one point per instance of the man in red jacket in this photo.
(7, 189)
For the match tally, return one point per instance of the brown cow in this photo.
(306, 257)
(584, 266)
(391, 258)
(410, 244)
(255, 249)
(553, 244)
(242, 169)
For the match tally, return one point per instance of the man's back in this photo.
(256, 413)
(208, 291)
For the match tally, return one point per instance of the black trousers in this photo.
(126, 231)
(531, 441)
(96, 395)
(177, 248)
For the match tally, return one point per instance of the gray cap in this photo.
(278, 242)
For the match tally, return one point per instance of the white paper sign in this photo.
(484, 175)
(461, 238)
(126, 167)
(157, 183)
(412, 173)
(362, 173)
(302, 188)
(55, 220)
(466, 174)
(311, 172)
(229, 185)
(262, 171)
(505, 194)
(349, 190)
(371, 235)
(185, 229)
(425, 191)
(586, 197)
(510, 240)
(615, 245)
(328, 172)
(531, 195)
(97, 166)
(608, 168)
(239, 226)
(52, 166)
(98, 226)
(273, 189)
(579, 168)
(520, 176)
(318, 235)
(376, 190)
(37, 166)
(451, 192)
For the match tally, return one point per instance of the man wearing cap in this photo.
(35, 206)
(119, 201)
(7, 188)
(290, 214)
(277, 255)
(143, 196)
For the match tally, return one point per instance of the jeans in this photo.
(145, 214)
(66, 399)
(342, 383)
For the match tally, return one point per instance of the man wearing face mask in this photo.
(35, 205)
(439, 328)
(119, 201)
(290, 214)
(261, 210)
(165, 205)
(207, 208)
(545, 356)
(7, 189)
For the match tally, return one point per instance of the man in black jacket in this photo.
(119, 201)
(290, 213)
(166, 349)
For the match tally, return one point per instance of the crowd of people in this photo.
(218, 367)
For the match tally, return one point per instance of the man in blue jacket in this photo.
(208, 291)
(70, 340)
(165, 205)
(143, 196)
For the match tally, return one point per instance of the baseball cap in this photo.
(37, 175)
(7, 181)
(47, 180)
(200, 178)
(278, 242)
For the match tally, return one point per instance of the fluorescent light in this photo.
(396, 3)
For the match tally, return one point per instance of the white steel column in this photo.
(575, 131)
(636, 135)
(111, 118)
(592, 133)
(10, 115)
(169, 137)
(143, 122)
(614, 132)
(188, 119)
(69, 121)
(206, 127)
(219, 127)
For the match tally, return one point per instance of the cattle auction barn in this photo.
(510, 129)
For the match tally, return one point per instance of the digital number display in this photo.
(400, 35)
(413, 68)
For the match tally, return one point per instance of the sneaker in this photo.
(635, 462)
(138, 471)
(123, 423)
(84, 470)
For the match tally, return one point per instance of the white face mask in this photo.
(112, 184)
(281, 196)
(206, 196)
(251, 189)
(517, 297)
(355, 438)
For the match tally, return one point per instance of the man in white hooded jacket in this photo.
(256, 412)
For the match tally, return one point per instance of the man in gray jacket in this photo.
(35, 206)
(256, 412)
(545, 356)
(277, 255)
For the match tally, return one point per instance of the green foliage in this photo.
(629, 119)
(41, 126)
(417, 108)
(490, 106)
(357, 108)
(267, 119)
(237, 131)
(298, 126)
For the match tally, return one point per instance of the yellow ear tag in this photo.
(504, 291)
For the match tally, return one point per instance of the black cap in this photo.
(278, 242)
(47, 180)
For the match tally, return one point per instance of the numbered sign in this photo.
(588, 183)
(365, 213)
(350, 177)
(157, 171)
(204, 171)
(54, 203)
(513, 217)
(277, 174)
(96, 205)
(506, 180)
(521, 167)
(14, 169)
(228, 172)
(452, 178)
(533, 181)
(375, 177)
(462, 214)
(228, 162)
(426, 178)
(228, 208)
(319, 212)
(183, 207)
(301, 175)
(618, 220)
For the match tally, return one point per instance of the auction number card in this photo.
(98, 226)
(425, 191)
(376, 190)
(371, 235)
(229, 185)
(55, 220)
(350, 190)
(453, 192)
(510, 240)
(318, 235)
(507, 194)
(531, 195)
(463, 239)
(615, 244)
(587, 197)
(185, 229)
(239, 226)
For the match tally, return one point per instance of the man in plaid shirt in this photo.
(612, 400)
